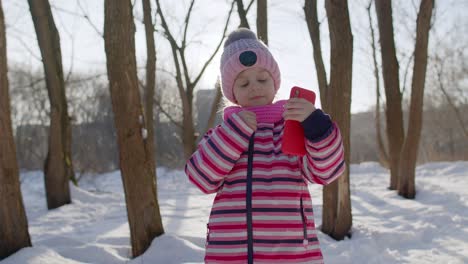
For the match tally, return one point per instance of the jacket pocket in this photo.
(304, 224)
(207, 234)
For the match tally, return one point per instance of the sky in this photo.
(83, 46)
(387, 229)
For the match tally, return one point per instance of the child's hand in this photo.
(298, 109)
(250, 118)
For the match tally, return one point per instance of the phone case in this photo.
(293, 136)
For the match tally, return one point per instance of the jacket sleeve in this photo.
(324, 160)
(217, 153)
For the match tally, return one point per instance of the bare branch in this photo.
(25, 45)
(161, 108)
(72, 60)
(93, 77)
(383, 154)
(169, 116)
(85, 16)
(440, 68)
(310, 9)
(175, 48)
(214, 108)
(30, 84)
(183, 46)
(248, 7)
(242, 14)
(217, 48)
(163, 70)
(407, 68)
(187, 19)
(167, 32)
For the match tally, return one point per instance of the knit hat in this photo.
(242, 50)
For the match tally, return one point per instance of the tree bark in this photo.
(14, 233)
(337, 218)
(262, 21)
(136, 156)
(310, 9)
(409, 154)
(394, 113)
(383, 156)
(150, 72)
(58, 169)
(242, 14)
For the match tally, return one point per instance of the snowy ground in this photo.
(433, 228)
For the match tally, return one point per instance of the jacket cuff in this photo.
(317, 125)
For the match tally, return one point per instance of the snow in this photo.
(433, 228)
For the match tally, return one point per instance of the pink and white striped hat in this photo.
(242, 50)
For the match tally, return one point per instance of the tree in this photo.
(262, 34)
(185, 83)
(336, 100)
(214, 106)
(409, 154)
(382, 151)
(310, 9)
(262, 21)
(242, 13)
(136, 157)
(403, 150)
(394, 112)
(150, 71)
(58, 169)
(14, 233)
(446, 66)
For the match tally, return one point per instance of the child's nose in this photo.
(255, 86)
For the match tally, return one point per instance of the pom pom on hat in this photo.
(242, 50)
(241, 33)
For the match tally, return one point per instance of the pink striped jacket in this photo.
(262, 212)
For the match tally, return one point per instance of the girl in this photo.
(262, 212)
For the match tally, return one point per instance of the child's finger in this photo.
(295, 117)
(302, 103)
(295, 111)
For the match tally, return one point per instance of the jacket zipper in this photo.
(249, 201)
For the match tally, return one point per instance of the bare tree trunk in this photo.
(262, 21)
(14, 233)
(242, 14)
(136, 156)
(58, 168)
(406, 187)
(336, 100)
(383, 156)
(337, 218)
(310, 9)
(394, 113)
(150, 72)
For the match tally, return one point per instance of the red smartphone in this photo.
(293, 136)
(302, 93)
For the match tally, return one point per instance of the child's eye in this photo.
(262, 80)
(244, 84)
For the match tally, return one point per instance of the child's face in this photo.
(254, 87)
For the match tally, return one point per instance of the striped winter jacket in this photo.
(262, 212)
